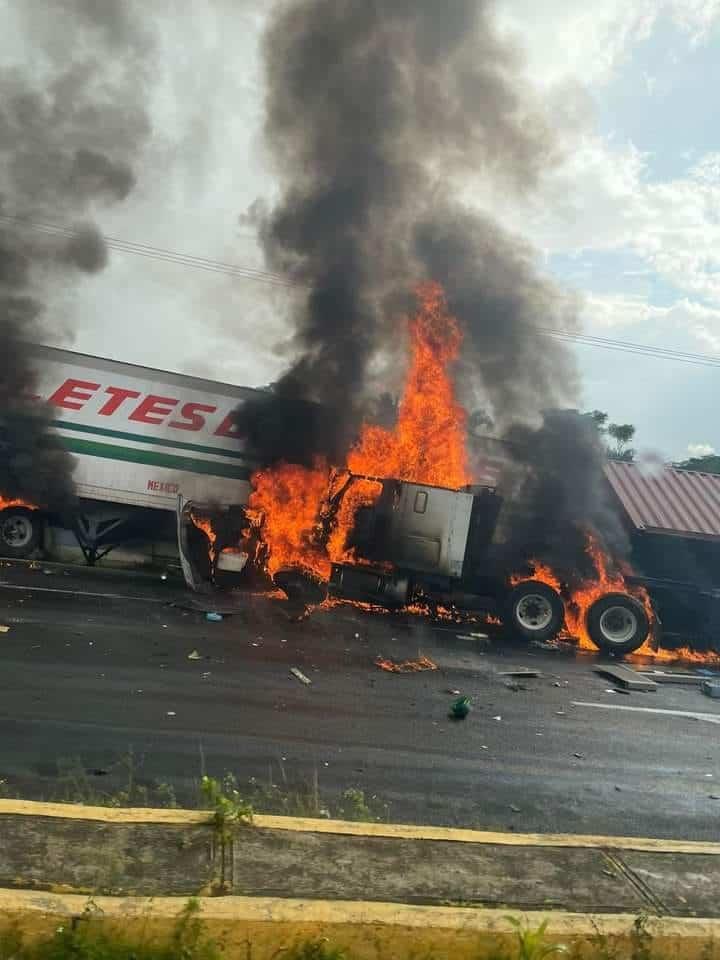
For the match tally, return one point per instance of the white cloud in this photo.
(588, 42)
(700, 449)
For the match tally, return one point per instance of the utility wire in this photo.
(164, 255)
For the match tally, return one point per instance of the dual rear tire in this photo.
(617, 623)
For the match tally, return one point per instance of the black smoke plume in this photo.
(375, 111)
(379, 115)
(71, 124)
(555, 493)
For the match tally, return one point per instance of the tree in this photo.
(620, 434)
(710, 463)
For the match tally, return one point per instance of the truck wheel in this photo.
(617, 623)
(20, 531)
(534, 611)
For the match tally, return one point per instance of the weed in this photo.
(223, 797)
(84, 939)
(641, 939)
(313, 950)
(531, 942)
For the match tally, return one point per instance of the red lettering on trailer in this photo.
(192, 419)
(153, 409)
(73, 394)
(163, 486)
(228, 428)
(118, 395)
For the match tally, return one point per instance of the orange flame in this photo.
(427, 445)
(202, 523)
(406, 666)
(5, 504)
(604, 582)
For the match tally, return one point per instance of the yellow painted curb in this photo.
(398, 831)
(368, 931)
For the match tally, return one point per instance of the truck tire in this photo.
(534, 611)
(617, 623)
(20, 532)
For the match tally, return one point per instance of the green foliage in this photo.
(531, 942)
(707, 464)
(85, 939)
(354, 806)
(621, 435)
(223, 797)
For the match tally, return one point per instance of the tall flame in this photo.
(427, 445)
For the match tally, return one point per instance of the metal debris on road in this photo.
(406, 666)
(194, 655)
(711, 689)
(515, 809)
(171, 713)
(213, 617)
(520, 674)
(497, 718)
(4, 628)
(627, 677)
(453, 693)
(298, 674)
(663, 676)
(579, 756)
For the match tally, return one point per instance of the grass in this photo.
(278, 794)
(85, 938)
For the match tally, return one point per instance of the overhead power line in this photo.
(164, 255)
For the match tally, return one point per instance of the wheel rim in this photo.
(618, 625)
(16, 531)
(534, 612)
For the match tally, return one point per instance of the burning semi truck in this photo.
(399, 525)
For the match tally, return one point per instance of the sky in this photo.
(628, 218)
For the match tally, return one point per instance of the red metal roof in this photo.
(667, 500)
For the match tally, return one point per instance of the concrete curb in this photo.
(368, 931)
(393, 831)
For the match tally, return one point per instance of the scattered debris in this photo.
(560, 713)
(406, 666)
(205, 675)
(515, 809)
(472, 636)
(711, 689)
(194, 655)
(609, 873)
(461, 708)
(171, 713)
(618, 789)
(497, 718)
(627, 677)
(579, 756)
(520, 673)
(213, 617)
(714, 796)
(99, 772)
(453, 693)
(300, 676)
(545, 644)
(663, 676)
(4, 628)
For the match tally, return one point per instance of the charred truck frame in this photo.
(433, 545)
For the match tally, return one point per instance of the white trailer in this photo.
(143, 440)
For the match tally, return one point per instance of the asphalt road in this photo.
(96, 664)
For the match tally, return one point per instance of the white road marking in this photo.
(4, 585)
(692, 714)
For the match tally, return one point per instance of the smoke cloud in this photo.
(555, 491)
(375, 113)
(72, 122)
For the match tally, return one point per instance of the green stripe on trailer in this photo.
(109, 451)
(140, 438)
